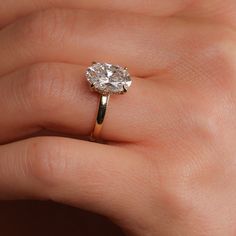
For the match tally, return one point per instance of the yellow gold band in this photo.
(96, 134)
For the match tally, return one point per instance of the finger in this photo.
(216, 10)
(11, 10)
(148, 46)
(91, 176)
(223, 11)
(80, 37)
(57, 97)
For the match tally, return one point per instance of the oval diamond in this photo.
(108, 79)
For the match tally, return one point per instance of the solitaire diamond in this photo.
(108, 79)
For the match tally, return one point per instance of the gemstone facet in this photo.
(108, 79)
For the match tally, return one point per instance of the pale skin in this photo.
(169, 163)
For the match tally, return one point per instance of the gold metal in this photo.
(96, 134)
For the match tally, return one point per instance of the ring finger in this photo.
(57, 97)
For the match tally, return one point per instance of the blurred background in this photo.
(38, 218)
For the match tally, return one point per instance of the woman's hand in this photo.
(169, 165)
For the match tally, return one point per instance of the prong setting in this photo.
(125, 89)
(92, 87)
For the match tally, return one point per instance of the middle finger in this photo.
(56, 97)
(79, 36)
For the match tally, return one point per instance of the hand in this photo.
(168, 167)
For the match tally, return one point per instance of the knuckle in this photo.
(200, 119)
(179, 205)
(47, 162)
(219, 58)
(175, 192)
(195, 116)
(205, 113)
(204, 124)
(44, 86)
(44, 27)
(224, 71)
(172, 193)
(212, 57)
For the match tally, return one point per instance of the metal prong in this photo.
(125, 89)
(92, 85)
(94, 62)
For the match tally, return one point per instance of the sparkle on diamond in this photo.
(108, 79)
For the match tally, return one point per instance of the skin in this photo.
(168, 165)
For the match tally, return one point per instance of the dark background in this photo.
(37, 218)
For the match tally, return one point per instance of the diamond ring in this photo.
(106, 79)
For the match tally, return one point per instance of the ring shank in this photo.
(96, 134)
